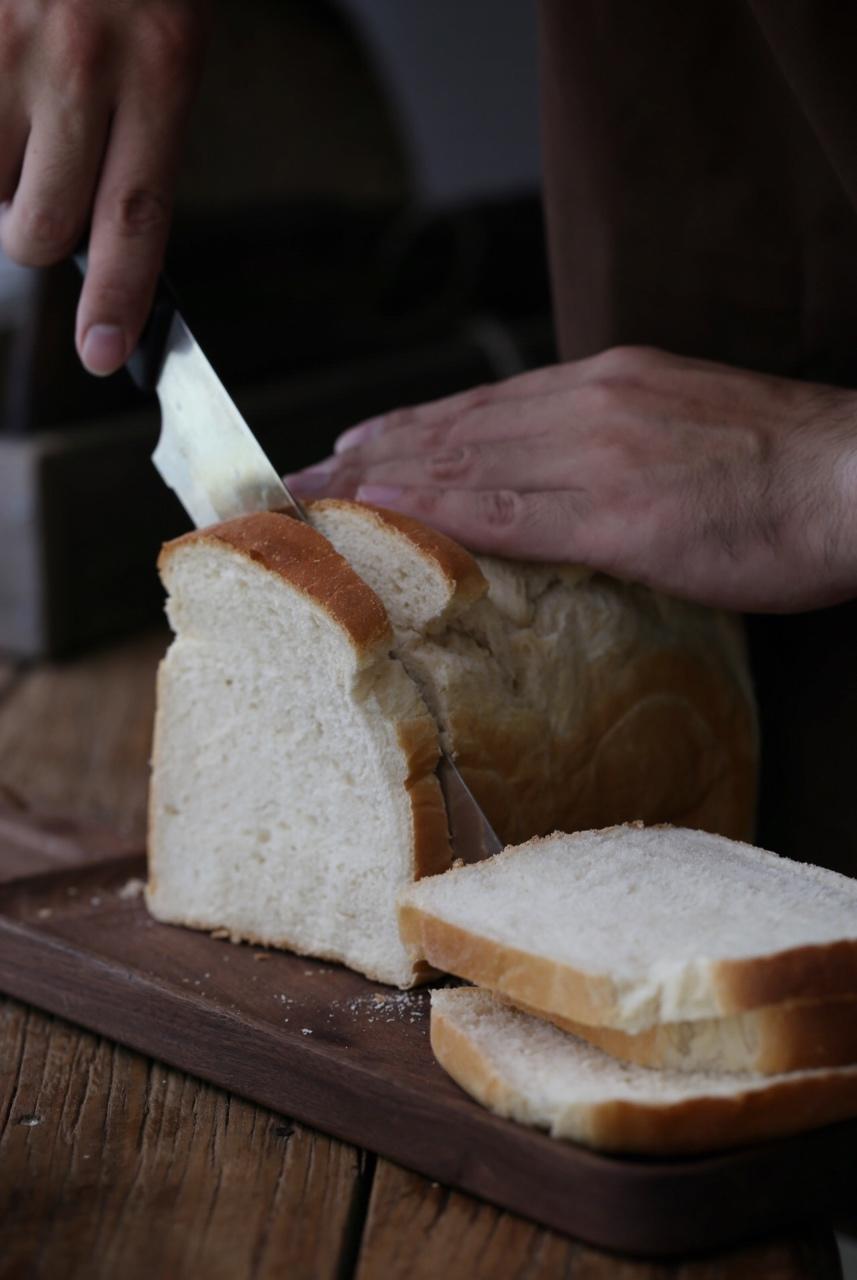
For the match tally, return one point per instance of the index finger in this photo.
(131, 221)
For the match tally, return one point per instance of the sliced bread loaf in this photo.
(568, 699)
(293, 791)
(283, 812)
(634, 926)
(796, 1036)
(529, 1071)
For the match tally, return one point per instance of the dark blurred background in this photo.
(358, 226)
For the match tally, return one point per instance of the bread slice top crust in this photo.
(422, 576)
(529, 1071)
(305, 560)
(632, 926)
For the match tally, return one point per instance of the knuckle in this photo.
(396, 418)
(139, 211)
(598, 399)
(475, 398)
(38, 236)
(626, 361)
(451, 464)
(434, 436)
(169, 37)
(427, 501)
(500, 510)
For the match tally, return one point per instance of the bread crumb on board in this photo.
(395, 1006)
(132, 888)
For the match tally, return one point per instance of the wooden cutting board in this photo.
(352, 1058)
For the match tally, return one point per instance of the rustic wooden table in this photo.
(112, 1165)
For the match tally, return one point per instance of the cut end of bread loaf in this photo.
(630, 927)
(531, 1072)
(422, 576)
(293, 789)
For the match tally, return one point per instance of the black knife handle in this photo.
(144, 363)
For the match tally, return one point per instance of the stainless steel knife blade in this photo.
(470, 833)
(206, 451)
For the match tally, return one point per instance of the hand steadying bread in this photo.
(315, 671)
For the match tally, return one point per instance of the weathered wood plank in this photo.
(75, 737)
(327, 1047)
(417, 1230)
(114, 1166)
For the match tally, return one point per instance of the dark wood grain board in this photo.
(32, 843)
(333, 1050)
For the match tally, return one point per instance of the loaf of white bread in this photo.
(315, 671)
(702, 992)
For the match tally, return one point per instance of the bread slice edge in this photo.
(795, 1036)
(708, 1122)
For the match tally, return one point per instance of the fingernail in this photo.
(360, 434)
(103, 349)
(313, 480)
(383, 495)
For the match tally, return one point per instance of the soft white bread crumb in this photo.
(293, 790)
(633, 926)
(529, 1071)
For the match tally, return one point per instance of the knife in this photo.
(209, 456)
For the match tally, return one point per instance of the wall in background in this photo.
(463, 80)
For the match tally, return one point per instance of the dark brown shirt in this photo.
(701, 195)
(701, 171)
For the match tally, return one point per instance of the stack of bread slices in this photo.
(645, 989)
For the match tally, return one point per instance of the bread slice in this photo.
(293, 788)
(799, 1035)
(529, 1071)
(633, 926)
(568, 699)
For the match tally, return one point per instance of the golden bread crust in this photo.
(304, 559)
(461, 571)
